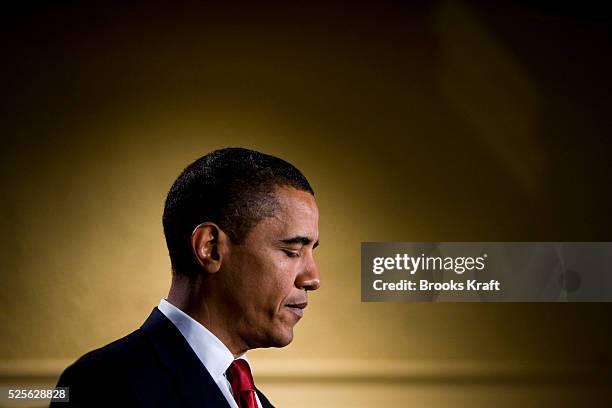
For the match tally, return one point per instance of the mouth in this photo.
(297, 308)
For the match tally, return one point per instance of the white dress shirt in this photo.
(215, 356)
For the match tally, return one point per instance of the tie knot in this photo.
(239, 375)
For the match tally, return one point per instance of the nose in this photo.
(309, 278)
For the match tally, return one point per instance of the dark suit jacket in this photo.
(152, 367)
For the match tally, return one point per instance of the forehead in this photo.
(296, 214)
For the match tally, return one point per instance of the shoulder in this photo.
(105, 371)
(122, 351)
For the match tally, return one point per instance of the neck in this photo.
(197, 300)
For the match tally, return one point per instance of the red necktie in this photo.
(239, 375)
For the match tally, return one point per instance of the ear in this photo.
(208, 243)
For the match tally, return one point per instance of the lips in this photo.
(297, 308)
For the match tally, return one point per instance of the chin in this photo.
(281, 338)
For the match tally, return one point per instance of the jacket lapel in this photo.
(264, 401)
(193, 380)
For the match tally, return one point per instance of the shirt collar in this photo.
(211, 351)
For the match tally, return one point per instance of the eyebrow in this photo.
(299, 240)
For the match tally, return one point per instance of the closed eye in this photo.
(291, 254)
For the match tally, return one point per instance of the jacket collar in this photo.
(193, 380)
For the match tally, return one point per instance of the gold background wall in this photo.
(433, 121)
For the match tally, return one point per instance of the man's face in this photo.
(268, 274)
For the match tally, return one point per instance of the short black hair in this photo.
(232, 187)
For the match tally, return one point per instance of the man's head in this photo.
(243, 225)
(234, 188)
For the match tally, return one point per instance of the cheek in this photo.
(277, 278)
(265, 279)
(266, 274)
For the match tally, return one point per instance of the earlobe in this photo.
(205, 246)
